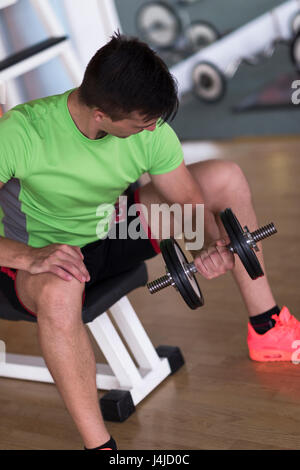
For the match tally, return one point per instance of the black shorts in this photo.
(103, 258)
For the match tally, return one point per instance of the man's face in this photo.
(133, 124)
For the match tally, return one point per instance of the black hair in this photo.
(126, 75)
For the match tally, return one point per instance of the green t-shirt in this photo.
(56, 178)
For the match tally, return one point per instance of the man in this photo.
(62, 157)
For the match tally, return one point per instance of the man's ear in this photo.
(99, 115)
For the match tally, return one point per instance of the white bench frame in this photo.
(121, 372)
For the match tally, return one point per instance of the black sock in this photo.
(264, 322)
(111, 444)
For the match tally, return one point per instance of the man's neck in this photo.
(101, 134)
(82, 118)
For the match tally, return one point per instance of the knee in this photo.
(234, 180)
(59, 301)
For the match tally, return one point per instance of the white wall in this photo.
(91, 27)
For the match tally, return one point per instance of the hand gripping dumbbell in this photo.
(180, 273)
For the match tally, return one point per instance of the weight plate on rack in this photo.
(158, 24)
(209, 83)
(185, 282)
(200, 34)
(295, 24)
(240, 245)
(295, 51)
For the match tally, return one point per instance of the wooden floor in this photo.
(219, 399)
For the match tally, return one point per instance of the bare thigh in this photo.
(215, 178)
(221, 182)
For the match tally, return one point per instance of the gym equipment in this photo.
(180, 273)
(296, 23)
(209, 82)
(261, 56)
(200, 34)
(165, 28)
(295, 51)
(19, 63)
(158, 24)
(133, 366)
(206, 71)
(275, 94)
(118, 405)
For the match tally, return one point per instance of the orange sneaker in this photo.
(280, 343)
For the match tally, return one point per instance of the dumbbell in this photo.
(180, 273)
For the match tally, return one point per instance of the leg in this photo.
(66, 348)
(223, 184)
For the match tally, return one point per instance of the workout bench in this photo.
(127, 382)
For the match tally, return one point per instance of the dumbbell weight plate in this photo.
(185, 282)
(239, 244)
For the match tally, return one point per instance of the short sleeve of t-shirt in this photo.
(166, 152)
(14, 146)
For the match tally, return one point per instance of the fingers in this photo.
(223, 241)
(78, 250)
(215, 260)
(76, 270)
(67, 262)
(61, 273)
(63, 260)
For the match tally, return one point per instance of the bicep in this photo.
(177, 186)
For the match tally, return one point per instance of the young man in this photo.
(62, 157)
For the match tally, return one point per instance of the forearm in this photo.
(209, 231)
(14, 254)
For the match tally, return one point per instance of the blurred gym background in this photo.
(197, 120)
(243, 111)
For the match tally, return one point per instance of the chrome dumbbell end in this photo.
(264, 232)
(160, 283)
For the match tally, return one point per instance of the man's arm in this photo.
(62, 260)
(179, 186)
(13, 254)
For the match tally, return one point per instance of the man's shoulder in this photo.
(24, 119)
(40, 107)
